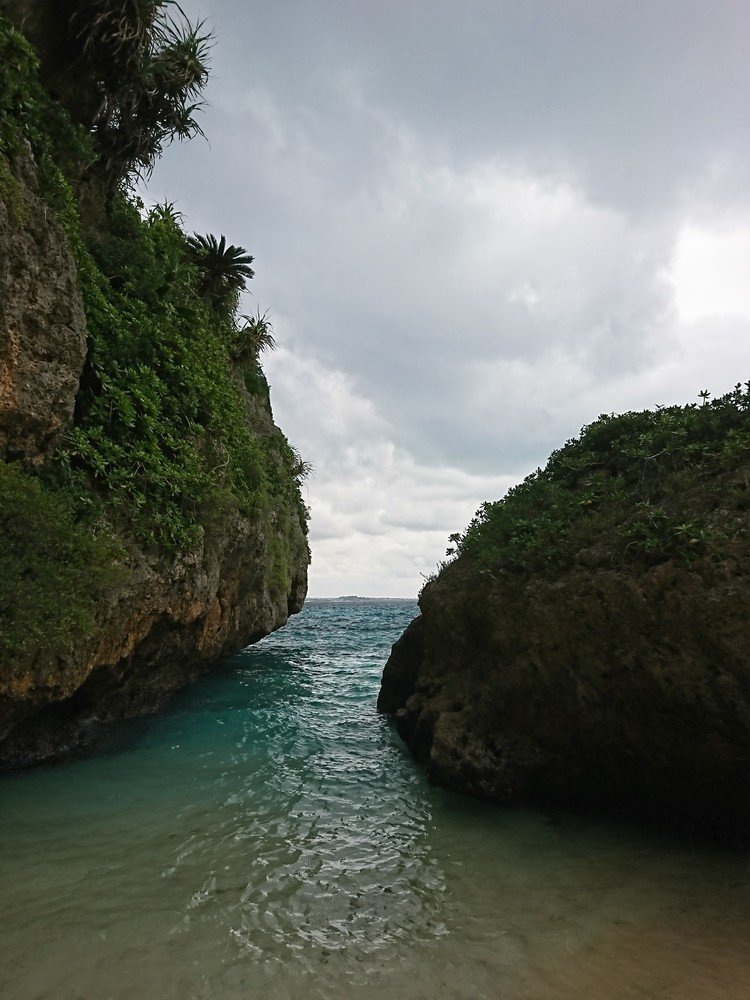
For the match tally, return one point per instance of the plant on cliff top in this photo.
(640, 482)
(149, 64)
(253, 337)
(224, 270)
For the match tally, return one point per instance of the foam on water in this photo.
(268, 836)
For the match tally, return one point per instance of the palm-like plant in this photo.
(224, 269)
(256, 335)
(150, 67)
(301, 468)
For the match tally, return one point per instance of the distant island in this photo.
(356, 597)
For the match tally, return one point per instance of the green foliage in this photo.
(253, 337)
(224, 271)
(161, 425)
(143, 64)
(19, 87)
(51, 566)
(280, 576)
(255, 381)
(30, 119)
(159, 419)
(149, 64)
(643, 481)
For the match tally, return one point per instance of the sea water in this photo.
(268, 836)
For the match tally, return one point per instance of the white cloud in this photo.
(711, 271)
(474, 235)
(380, 520)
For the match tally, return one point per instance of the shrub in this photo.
(223, 269)
(149, 64)
(159, 420)
(644, 480)
(52, 566)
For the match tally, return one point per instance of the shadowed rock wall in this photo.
(596, 689)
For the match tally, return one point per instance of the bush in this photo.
(52, 567)
(644, 481)
(159, 419)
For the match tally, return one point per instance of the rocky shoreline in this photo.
(179, 482)
(593, 689)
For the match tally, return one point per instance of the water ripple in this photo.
(267, 835)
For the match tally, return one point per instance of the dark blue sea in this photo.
(267, 836)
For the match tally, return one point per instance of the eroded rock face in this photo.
(596, 689)
(42, 324)
(159, 630)
(165, 621)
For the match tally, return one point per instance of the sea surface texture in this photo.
(267, 836)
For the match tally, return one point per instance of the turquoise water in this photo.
(268, 836)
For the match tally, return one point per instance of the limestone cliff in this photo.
(135, 428)
(616, 676)
(42, 323)
(158, 629)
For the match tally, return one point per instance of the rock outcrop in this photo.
(167, 619)
(42, 324)
(165, 624)
(170, 611)
(592, 688)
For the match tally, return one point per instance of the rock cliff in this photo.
(158, 629)
(42, 323)
(604, 681)
(138, 413)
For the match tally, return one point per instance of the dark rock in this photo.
(400, 673)
(594, 689)
(168, 623)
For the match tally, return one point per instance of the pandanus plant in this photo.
(149, 64)
(224, 269)
(255, 335)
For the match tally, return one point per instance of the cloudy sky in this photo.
(477, 225)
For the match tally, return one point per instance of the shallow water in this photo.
(268, 836)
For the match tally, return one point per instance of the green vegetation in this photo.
(52, 566)
(224, 270)
(148, 65)
(28, 117)
(20, 90)
(171, 422)
(639, 487)
(160, 421)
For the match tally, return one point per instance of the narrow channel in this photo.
(268, 836)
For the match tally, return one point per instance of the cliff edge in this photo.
(150, 509)
(588, 644)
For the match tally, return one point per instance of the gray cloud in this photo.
(477, 225)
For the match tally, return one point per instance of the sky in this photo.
(477, 225)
